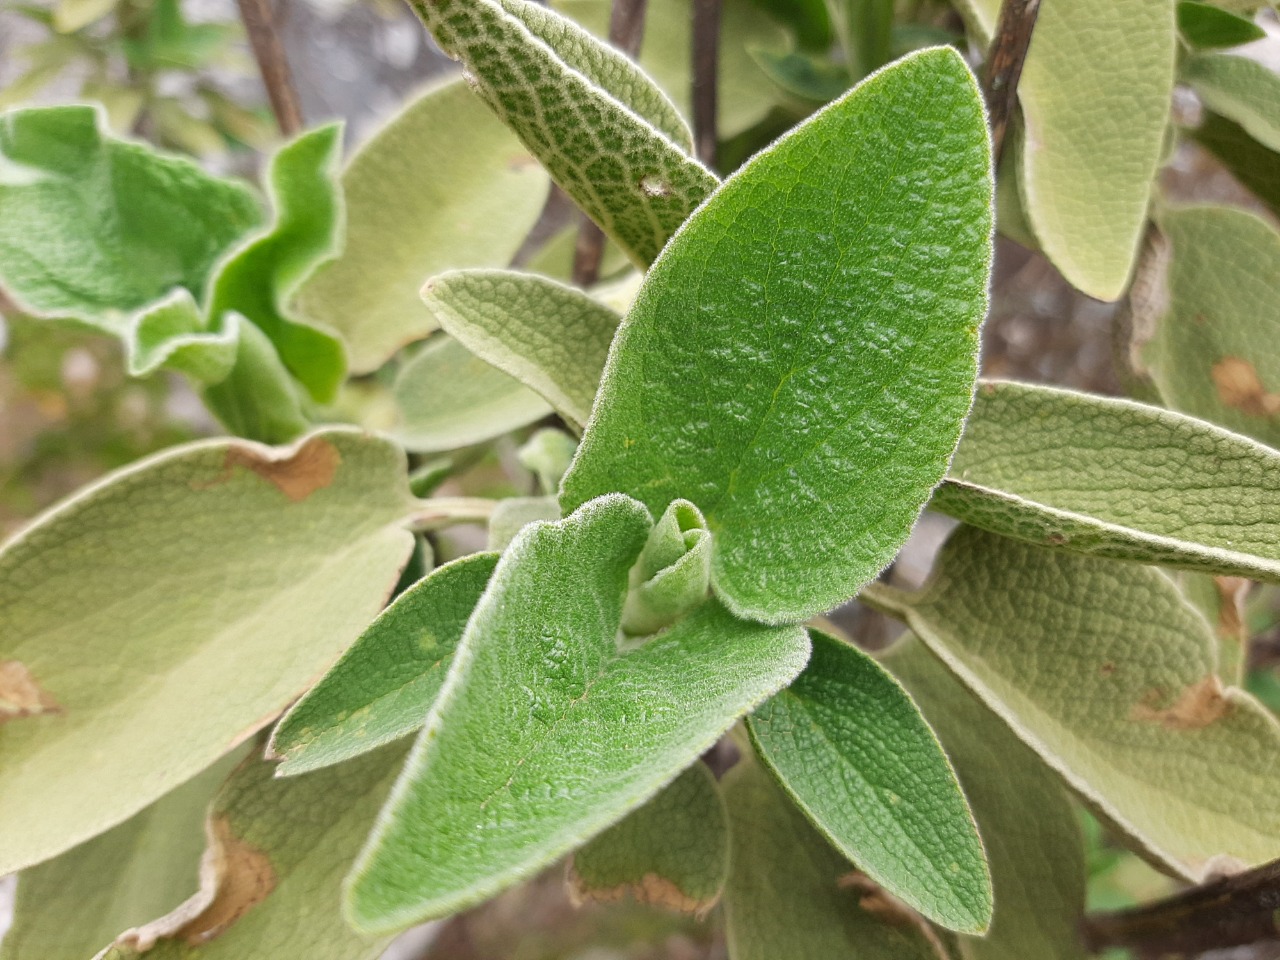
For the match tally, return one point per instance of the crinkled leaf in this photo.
(449, 398)
(171, 334)
(272, 875)
(258, 399)
(442, 185)
(546, 731)
(850, 747)
(260, 277)
(1111, 676)
(633, 180)
(513, 514)
(1117, 479)
(1028, 826)
(1239, 89)
(385, 683)
(790, 894)
(552, 338)
(1249, 161)
(1205, 26)
(673, 852)
(164, 614)
(1211, 353)
(1095, 95)
(800, 359)
(68, 907)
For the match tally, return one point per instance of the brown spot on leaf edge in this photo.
(21, 695)
(1240, 387)
(1199, 705)
(650, 889)
(1231, 596)
(310, 467)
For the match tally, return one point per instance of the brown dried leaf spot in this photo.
(311, 467)
(1199, 705)
(20, 694)
(651, 889)
(1239, 387)
(1231, 596)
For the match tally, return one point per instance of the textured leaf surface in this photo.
(852, 750)
(673, 852)
(807, 343)
(68, 907)
(1095, 96)
(633, 180)
(790, 893)
(163, 615)
(281, 848)
(442, 185)
(1212, 354)
(449, 398)
(1111, 676)
(171, 334)
(1205, 26)
(546, 732)
(1028, 826)
(385, 683)
(257, 399)
(1116, 479)
(552, 338)
(672, 576)
(1240, 89)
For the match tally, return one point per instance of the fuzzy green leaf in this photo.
(1111, 676)
(1205, 26)
(673, 852)
(1212, 353)
(280, 849)
(799, 361)
(673, 572)
(1028, 827)
(1118, 479)
(164, 614)
(790, 894)
(449, 398)
(1239, 89)
(576, 108)
(385, 683)
(552, 338)
(513, 514)
(442, 185)
(852, 750)
(258, 399)
(1249, 161)
(171, 334)
(546, 731)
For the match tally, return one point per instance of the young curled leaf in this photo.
(673, 574)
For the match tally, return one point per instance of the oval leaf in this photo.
(1239, 89)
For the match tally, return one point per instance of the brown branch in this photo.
(1004, 65)
(706, 66)
(268, 50)
(1227, 912)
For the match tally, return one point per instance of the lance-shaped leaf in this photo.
(1211, 354)
(546, 730)
(1239, 89)
(442, 185)
(385, 683)
(1117, 479)
(273, 870)
(800, 359)
(68, 907)
(1095, 95)
(577, 108)
(1205, 26)
(449, 398)
(790, 894)
(1111, 676)
(164, 614)
(1029, 829)
(849, 746)
(552, 338)
(259, 278)
(673, 852)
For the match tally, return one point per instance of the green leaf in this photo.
(94, 228)
(632, 179)
(800, 359)
(442, 185)
(258, 399)
(171, 334)
(260, 277)
(272, 876)
(790, 894)
(547, 455)
(513, 514)
(167, 612)
(1239, 89)
(387, 680)
(552, 338)
(1028, 826)
(1212, 353)
(1095, 95)
(672, 575)
(68, 907)
(1249, 161)
(1118, 479)
(851, 749)
(1205, 26)
(449, 398)
(1111, 676)
(546, 731)
(673, 852)
(71, 15)
(811, 77)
